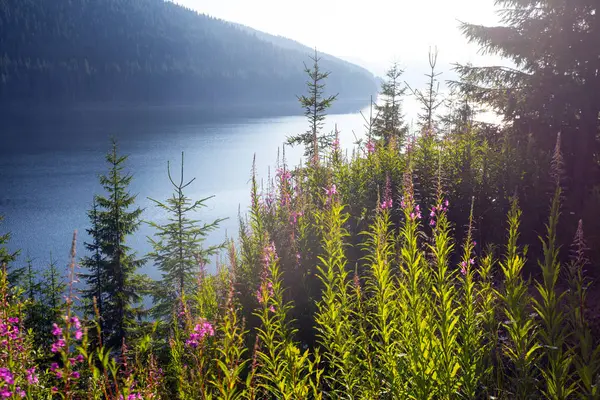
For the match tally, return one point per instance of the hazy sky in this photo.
(374, 32)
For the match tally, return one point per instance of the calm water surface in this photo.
(49, 172)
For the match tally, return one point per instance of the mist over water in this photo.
(49, 172)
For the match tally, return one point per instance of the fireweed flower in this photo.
(387, 197)
(32, 378)
(7, 376)
(56, 330)
(370, 147)
(332, 190)
(201, 330)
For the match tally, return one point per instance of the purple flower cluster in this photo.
(132, 396)
(7, 377)
(10, 333)
(387, 198)
(463, 266)
(336, 144)
(435, 211)
(57, 331)
(370, 147)
(201, 330)
(331, 191)
(294, 217)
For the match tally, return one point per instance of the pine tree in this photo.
(121, 290)
(178, 251)
(315, 106)
(389, 124)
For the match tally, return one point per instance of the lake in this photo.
(49, 171)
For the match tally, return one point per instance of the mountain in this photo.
(151, 52)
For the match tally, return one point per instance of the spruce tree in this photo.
(51, 290)
(389, 124)
(178, 250)
(6, 257)
(97, 277)
(315, 106)
(116, 218)
(430, 99)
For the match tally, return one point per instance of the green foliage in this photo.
(315, 105)
(178, 251)
(113, 265)
(388, 125)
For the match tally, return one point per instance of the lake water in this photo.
(49, 171)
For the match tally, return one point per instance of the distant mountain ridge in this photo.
(152, 52)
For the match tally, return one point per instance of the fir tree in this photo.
(315, 106)
(121, 290)
(389, 123)
(178, 250)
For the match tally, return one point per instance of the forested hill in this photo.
(150, 52)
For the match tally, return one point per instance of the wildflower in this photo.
(6, 376)
(463, 267)
(4, 392)
(75, 375)
(370, 147)
(56, 330)
(54, 389)
(78, 334)
(53, 366)
(331, 191)
(432, 222)
(75, 322)
(20, 392)
(272, 309)
(32, 378)
(336, 144)
(13, 320)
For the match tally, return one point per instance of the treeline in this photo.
(150, 52)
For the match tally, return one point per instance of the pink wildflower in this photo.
(56, 330)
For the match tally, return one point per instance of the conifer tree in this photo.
(178, 250)
(554, 84)
(6, 258)
(48, 304)
(430, 99)
(315, 106)
(389, 123)
(116, 220)
(97, 276)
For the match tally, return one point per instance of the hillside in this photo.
(150, 52)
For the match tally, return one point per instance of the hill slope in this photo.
(151, 52)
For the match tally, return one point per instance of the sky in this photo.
(373, 33)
